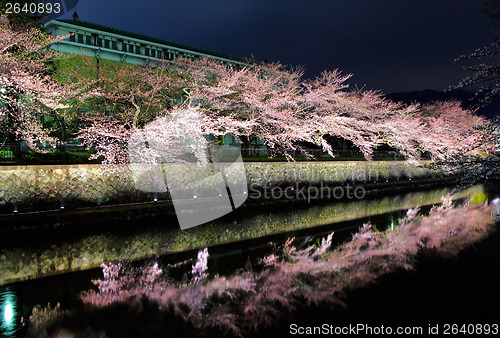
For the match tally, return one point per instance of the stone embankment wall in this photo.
(92, 185)
(59, 182)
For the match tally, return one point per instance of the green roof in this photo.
(112, 30)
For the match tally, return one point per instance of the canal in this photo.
(440, 289)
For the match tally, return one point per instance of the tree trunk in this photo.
(11, 136)
(245, 146)
(11, 113)
(63, 133)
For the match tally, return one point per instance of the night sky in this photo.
(390, 45)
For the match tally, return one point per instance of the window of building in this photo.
(88, 40)
(106, 43)
(99, 42)
(72, 37)
(113, 45)
(147, 51)
(137, 49)
(80, 38)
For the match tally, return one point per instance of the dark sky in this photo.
(391, 45)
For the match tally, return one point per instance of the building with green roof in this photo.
(108, 43)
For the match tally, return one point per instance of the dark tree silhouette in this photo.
(486, 73)
(492, 11)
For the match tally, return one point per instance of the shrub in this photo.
(56, 157)
(6, 154)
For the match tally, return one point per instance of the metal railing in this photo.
(10, 151)
(316, 153)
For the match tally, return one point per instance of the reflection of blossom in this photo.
(447, 201)
(201, 266)
(496, 204)
(411, 213)
(325, 245)
(245, 301)
(269, 260)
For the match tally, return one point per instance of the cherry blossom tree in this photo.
(274, 104)
(481, 168)
(259, 101)
(119, 102)
(485, 73)
(362, 117)
(27, 90)
(286, 110)
(450, 130)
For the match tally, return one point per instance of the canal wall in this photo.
(38, 187)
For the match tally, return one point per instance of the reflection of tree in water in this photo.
(290, 278)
